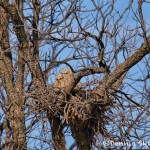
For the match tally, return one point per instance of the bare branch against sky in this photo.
(74, 74)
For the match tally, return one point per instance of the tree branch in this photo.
(124, 67)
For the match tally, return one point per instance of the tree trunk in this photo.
(14, 90)
(83, 134)
(17, 118)
(57, 133)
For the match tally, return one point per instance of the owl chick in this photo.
(64, 78)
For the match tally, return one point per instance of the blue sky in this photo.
(120, 5)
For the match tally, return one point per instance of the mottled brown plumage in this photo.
(64, 78)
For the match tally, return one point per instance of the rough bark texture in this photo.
(124, 67)
(57, 133)
(64, 102)
(15, 100)
(83, 134)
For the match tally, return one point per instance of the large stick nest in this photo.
(80, 107)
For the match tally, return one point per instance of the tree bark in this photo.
(83, 134)
(17, 118)
(57, 133)
(124, 67)
(15, 102)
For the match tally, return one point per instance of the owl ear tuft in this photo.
(66, 71)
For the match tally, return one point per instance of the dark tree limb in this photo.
(124, 67)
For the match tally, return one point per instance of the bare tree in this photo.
(74, 67)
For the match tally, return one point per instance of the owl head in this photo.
(59, 77)
(66, 71)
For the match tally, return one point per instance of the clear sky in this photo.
(120, 6)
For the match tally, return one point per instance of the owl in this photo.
(64, 78)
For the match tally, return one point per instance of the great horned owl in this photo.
(64, 78)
